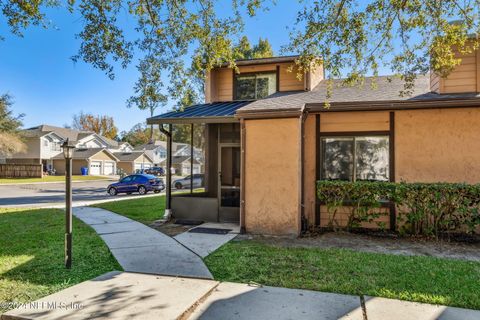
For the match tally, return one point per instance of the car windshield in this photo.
(149, 176)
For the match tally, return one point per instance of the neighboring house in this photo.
(98, 161)
(155, 151)
(132, 161)
(283, 139)
(44, 146)
(182, 164)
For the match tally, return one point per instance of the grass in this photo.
(422, 279)
(32, 254)
(143, 209)
(49, 179)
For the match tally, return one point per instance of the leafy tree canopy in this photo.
(350, 37)
(140, 134)
(10, 137)
(244, 50)
(102, 125)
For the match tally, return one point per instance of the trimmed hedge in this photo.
(422, 208)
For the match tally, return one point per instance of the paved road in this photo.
(52, 194)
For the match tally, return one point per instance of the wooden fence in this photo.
(12, 170)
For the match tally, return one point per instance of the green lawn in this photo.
(142, 209)
(32, 254)
(422, 279)
(50, 179)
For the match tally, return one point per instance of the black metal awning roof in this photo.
(217, 112)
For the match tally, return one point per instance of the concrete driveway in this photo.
(53, 194)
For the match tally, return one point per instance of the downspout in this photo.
(168, 189)
(242, 176)
(301, 205)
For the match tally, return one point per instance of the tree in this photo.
(263, 49)
(349, 37)
(102, 125)
(148, 89)
(139, 134)
(10, 138)
(410, 37)
(243, 49)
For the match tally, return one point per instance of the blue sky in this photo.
(49, 88)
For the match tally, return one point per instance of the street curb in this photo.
(52, 182)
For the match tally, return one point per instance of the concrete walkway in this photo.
(140, 296)
(203, 243)
(139, 248)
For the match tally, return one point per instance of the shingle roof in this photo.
(147, 146)
(65, 133)
(387, 89)
(180, 159)
(130, 156)
(83, 153)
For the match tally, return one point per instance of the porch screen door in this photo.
(229, 182)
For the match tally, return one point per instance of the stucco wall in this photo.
(271, 176)
(354, 121)
(438, 145)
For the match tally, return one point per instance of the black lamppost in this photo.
(68, 154)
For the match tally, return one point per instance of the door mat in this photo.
(187, 222)
(210, 230)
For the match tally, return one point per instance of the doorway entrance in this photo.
(229, 182)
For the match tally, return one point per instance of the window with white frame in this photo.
(356, 158)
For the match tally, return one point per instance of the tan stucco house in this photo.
(282, 138)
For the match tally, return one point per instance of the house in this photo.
(155, 151)
(132, 161)
(44, 146)
(270, 137)
(98, 161)
(182, 164)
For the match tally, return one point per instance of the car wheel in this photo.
(178, 185)
(142, 190)
(112, 191)
(157, 191)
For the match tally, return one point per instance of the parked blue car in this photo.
(141, 183)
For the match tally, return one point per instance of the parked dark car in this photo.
(156, 171)
(141, 183)
(198, 181)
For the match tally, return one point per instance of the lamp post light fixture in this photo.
(68, 154)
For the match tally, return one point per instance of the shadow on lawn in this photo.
(39, 233)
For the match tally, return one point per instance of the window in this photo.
(255, 86)
(355, 158)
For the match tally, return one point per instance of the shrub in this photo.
(362, 200)
(422, 208)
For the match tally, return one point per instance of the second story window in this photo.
(254, 86)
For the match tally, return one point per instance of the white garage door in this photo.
(109, 168)
(95, 168)
(138, 166)
(147, 166)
